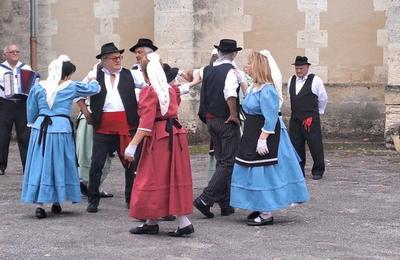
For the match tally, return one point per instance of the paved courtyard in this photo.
(354, 213)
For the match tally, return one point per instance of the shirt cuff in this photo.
(267, 132)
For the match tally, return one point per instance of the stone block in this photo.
(312, 5)
(392, 98)
(173, 5)
(380, 5)
(312, 39)
(381, 38)
(106, 9)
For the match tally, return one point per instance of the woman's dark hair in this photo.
(67, 69)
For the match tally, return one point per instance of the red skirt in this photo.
(163, 184)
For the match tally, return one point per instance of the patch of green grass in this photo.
(199, 149)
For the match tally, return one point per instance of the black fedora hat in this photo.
(301, 60)
(108, 48)
(144, 42)
(227, 45)
(170, 73)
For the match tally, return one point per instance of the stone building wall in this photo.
(352, 45)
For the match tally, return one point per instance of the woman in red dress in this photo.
(163, 185)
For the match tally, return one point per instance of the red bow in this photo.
(307, 123)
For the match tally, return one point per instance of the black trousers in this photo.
(102, 145)
(13, 113)
(225, 138)
(299, 136)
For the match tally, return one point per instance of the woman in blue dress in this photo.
(266, 175)
(51, 174)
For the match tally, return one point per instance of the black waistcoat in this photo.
(305, 103)
(212, 98)
(126, 89)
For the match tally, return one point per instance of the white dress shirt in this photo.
(14, 71)
(317, 87)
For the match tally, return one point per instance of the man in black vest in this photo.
(308, 100)
(115, 119)
(219, 107)
(12, 108)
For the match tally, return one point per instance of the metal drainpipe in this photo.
(33, 36)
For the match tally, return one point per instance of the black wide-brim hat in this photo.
(301, 60)
(227, 45)
(144, 42)
(108, 48)
(170, 73)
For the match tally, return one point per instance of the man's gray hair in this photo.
(147, 50)
(227, 55)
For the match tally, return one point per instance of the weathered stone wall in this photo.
(352, 45)
(392, 48)
(15, 26)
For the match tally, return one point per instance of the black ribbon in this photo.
(171, 122)
(45, 125)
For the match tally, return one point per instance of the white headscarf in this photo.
(51, 83)
(275, 74)
(158, 81)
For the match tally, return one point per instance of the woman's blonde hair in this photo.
(260, 70)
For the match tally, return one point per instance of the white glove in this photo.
(130, 150)
(262, 148)
(239, 75)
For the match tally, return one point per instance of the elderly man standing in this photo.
(12, 109)
(115, 119)
(141, 49)
(308, 100)
(219, 109)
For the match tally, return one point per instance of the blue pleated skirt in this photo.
(270, 188)
(54, 176)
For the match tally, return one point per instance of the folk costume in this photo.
(163, 185)
(219, 84)
(12, 111)
(265, 183)
(115, 119)
(308, 99)
(51, 173)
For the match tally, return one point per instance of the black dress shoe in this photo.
(205, 209)
(104, 194)
(2, 172)
(253, 215)
(56, 208)
(182, 231)
(227, 211)
(145, 229)
(168, 218)
(92, 207)
(84, 189)
(40, 213)
(260, 221)
(317, 177)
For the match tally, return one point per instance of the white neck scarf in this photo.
(158, 81)
(275, 74)
(51, 84)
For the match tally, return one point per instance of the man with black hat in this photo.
(115, 119)
(219, 109)
(308, 100)
(141, 49)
